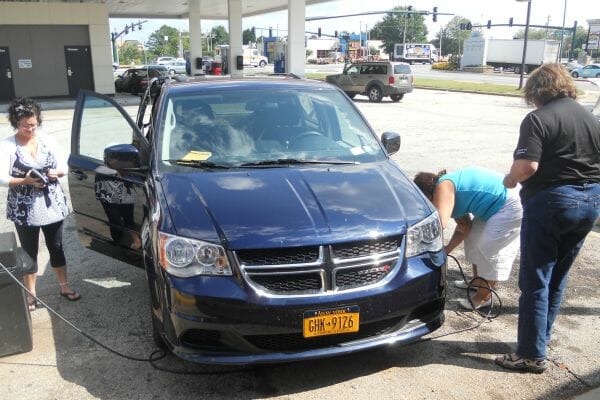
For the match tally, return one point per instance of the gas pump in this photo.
(279, 49)
(224, 52)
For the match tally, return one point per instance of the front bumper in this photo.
(223, 321)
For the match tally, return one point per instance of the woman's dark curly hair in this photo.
(426, 181)
(23, 107)
(548, 82)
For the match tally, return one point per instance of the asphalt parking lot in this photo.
(439, 130)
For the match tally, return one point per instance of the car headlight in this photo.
(425, 236)
(183, 257)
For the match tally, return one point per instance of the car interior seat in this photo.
(277, 120)
(194, 128)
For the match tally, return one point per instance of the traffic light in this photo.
(435, 14)
(270, 32)
(510, 21)
(489, 24)
(409, 9)
(319, 32)
(462, 27)
(336, 33)
(469, 26)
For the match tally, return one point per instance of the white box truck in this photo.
(253, 57)
(415, 53)
(508, 53)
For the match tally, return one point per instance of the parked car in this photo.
(571, 65)
(271, 222)
(135, 80)
(375, 79)
(164, 60)
(589, 71)
(176, 67)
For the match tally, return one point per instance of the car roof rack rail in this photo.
(285, 74)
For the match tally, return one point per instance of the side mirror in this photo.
(122, 157)
(391, 142)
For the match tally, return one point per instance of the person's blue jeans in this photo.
(555, 223)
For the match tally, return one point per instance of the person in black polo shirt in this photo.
(557, 162)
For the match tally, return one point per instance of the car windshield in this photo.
(263, 128)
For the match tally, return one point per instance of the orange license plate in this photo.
(331, 321)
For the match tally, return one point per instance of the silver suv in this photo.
(375, 79)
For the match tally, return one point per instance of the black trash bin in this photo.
(15, 320)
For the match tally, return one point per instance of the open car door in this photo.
(108, 204)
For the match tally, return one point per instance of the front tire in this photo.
(262, 63)
(574, 74)
(396, 97)
(375, 94)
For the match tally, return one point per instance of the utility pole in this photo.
(114, 36)
(525, 43)
(562, 33)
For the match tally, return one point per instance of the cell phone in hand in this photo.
(38, 175)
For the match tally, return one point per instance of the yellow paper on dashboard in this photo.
(197, 155)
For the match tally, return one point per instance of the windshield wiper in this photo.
(199, 164)
(291, 161)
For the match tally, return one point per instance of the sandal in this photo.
(466, 304)
(518, 363)
(71, 296)
(461, 284)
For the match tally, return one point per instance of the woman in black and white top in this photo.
(30, 165)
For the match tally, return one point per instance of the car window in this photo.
(353, 69)
(373, 69)
(401, 69)
(102, 125)
(247, 126)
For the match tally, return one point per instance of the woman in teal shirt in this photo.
(488, 219)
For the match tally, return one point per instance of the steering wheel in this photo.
(307, 134)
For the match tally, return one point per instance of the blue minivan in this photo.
(270, 220)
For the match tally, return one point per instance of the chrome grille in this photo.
(319, 269)
(362, 249)
(356, 277)
(297, 255)
(288, 283)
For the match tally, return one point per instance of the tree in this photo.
(452, 37)
(220, 35)
(130, 53)
(533, 34)
(396, 26)
(248, 36)
(164, 41)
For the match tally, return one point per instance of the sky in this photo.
(478, 11)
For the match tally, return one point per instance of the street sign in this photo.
(594, 25)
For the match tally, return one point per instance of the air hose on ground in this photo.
(160, 353)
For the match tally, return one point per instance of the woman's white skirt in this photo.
(493, 245)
